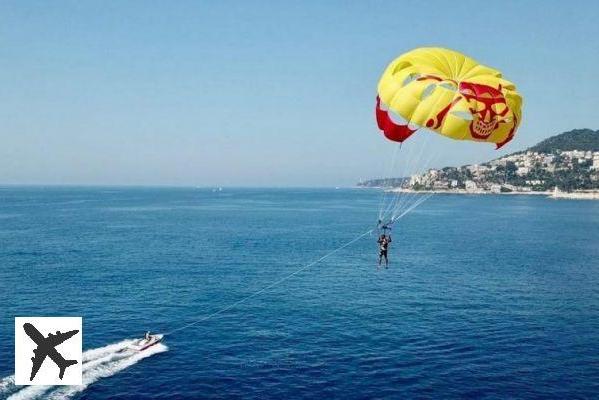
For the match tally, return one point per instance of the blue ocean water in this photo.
(485, 297)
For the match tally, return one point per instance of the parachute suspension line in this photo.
(407, 210)
(270, 286)
(386, 180)
(414, 200)
(397, 195)
(414, 205)
(389, 224)
(414, 195)
(401, 198)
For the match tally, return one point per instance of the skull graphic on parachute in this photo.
(448, 93)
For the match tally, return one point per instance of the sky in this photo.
(252, 93)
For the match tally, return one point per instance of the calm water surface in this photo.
(486, 296)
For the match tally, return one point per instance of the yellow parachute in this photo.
(449, 93)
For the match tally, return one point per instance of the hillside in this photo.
(568, 161)
(577, 139)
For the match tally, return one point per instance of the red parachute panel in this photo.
(392, 131)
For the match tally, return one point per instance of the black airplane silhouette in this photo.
(46, 347)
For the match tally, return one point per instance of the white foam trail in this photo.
(93, 354)
(7, 384)
(104, 370)
(97, 363)
(30, 392)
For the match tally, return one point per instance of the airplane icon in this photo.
(46, 347)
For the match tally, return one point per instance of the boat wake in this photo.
(6, 384)
(98, 363)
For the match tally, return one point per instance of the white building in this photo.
(473, 168)
(415, 180)
(470, 186)
(534, 182)
(433, 173)
(521, 171)
(547, 160)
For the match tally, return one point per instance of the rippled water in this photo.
(486, 296)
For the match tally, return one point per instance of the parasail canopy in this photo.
(448, 93)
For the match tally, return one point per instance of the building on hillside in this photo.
(471, 186)
(548, 160)
(535, 182)
(440, 185)
(521, 171)
(415, 180)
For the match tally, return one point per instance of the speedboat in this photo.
(142, 344)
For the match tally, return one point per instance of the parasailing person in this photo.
(383, 242)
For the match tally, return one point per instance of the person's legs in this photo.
(386, 260)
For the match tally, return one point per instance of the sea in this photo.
(277, 293)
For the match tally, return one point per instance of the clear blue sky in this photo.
(260, 93)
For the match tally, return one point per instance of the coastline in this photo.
(579, 195)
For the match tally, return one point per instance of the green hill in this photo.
(577, 139)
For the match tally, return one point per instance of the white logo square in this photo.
(48, 350)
